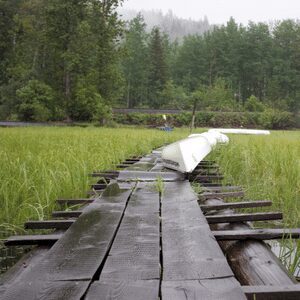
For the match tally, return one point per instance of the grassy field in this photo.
(39, 165)
(268, 167)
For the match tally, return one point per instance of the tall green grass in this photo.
(268, 167)
(39, 165)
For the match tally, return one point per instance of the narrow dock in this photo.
(143, 234)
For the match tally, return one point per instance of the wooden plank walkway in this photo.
(145, 237)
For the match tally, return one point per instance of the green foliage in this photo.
(268, 119)
(40, 165)
(253, 104)
(88, 105)
(273, 119)
(36, 100)
(158, 69)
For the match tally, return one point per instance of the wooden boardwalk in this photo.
(143, 236)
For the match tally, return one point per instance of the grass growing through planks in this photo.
(39, 165)
(268, 167)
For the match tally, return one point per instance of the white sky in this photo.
(219, 11)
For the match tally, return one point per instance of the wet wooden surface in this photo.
(144, 238)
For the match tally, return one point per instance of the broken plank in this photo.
(258, 234)
(26, 240)
(75, 201)
(262, 292)
(207, 196)
(244, 217)
(67, 214)
(234, 205)
(49, 224)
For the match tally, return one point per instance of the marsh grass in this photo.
(39, 165)
(268, 167)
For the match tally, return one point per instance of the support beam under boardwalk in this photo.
(237, 218)
(235, 205)
(27, 240)
(261, 292)
(257, 234)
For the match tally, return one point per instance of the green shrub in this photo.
(270, 119)
(36, 100)
(254, 105)
(274, 119)
(88, 105)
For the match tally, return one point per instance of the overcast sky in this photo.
(219, 11)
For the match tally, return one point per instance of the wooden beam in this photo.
(123, 166)
(99, 186)
(237, 218)
(267, 292)
(209, 185)
(75, 201)
(66, 214)
(28, 240)
(257, 234)
(207, 167)
(234, 205)
(209, 177)
(49, 224)
(222, 195)
(219, 188)
(105, 175)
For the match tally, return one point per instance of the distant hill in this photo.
(174, 26)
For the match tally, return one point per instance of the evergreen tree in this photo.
(158, 69)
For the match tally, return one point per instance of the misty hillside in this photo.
(174, 26)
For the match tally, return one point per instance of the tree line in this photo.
(75, 60)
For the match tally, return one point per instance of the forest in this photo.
(75, 60)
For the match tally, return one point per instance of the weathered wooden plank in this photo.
(207, 196)
(67, 214)
(123, 166)
(135, 253)
(124, 290)
(208, 177)
(105, 175)
(251, 260)
(22, 267)
(83, 247)
(189, 250)
(237, 218)
(75, 201)
(212, 289)
(219, 188)
(150, 176)
(22, 240)
(235, 205)
(258, 234)
(207, 167)
(98, 186)
(49, 224)
(40, 289)
(262, 292)
(209, 184)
